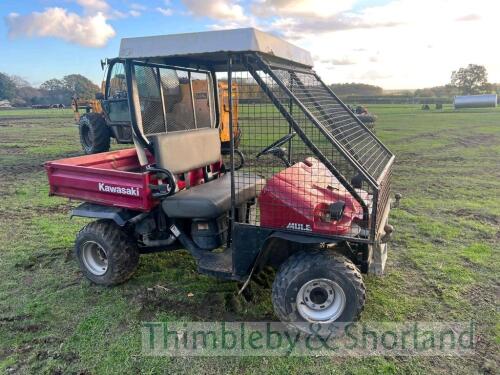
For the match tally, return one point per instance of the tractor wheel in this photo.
(106, 254)
(94, 134)
(314, 289)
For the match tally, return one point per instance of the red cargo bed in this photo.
(109, 178)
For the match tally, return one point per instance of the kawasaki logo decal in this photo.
(134, 192)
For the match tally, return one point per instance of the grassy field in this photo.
(443, 263)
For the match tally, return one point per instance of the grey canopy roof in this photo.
(206, 45)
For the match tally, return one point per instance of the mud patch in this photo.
(13, 318)
(12, 150)
(45, 258)
(454, 159)
(481, 295)
(484, 218)
(215, 304)
(13, 171)
(476, 140)
(48, 210)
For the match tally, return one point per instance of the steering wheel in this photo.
(237, 153)
(276, 144)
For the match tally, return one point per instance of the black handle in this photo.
(165, 189)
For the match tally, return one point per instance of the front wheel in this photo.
(317, 288)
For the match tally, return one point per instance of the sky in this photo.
(396, 44)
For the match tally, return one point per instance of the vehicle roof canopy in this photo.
(211, 48)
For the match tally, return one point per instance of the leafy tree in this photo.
(19, 81)
(7, 87)
(30, 95)
(82, 86)
(446, 91)
(53, 84)
(61, 90)
(471, 80)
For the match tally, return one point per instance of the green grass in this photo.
(443, 262)
(36, 113)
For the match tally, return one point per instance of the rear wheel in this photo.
(317, 288)
(95, 136)
(106, 254)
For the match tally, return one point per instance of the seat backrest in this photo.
(182, 151)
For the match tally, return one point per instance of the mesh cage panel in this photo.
(383, 197)
(178, 101)
(201, 97)
(297, 197)
(302, 162)
(150, 99)
(339, 122)
(173, 99)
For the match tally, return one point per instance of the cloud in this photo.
(221, 10)
(165, 11)
(424, 43)
(469, 17)
(340, 62)
(301, 8)
(137, 6)
(89, 30)
(94, 6)
(373, 75)
(135, 10)
(393, 43)
(296, 28)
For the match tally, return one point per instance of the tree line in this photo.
(469, 80)
(21, 93)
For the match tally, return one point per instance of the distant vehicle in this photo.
(5, 104)
(57, 106)
(364, 116)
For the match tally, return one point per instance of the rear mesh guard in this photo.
(331, 115)
(306, 101)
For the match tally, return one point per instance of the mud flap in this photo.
(378, 250)
(378, 257)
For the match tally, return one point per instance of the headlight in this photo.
(336, 210)
(333, 212)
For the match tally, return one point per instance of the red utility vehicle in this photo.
(305, 188)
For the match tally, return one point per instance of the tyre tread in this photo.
(102, 137)
(123, 251)
(299, 263)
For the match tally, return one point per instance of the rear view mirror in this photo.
(99, 95)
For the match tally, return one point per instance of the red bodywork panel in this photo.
(298, 198)
(110, 178)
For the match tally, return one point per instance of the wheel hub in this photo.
(319, 296)
(321, 300)
(94, 258)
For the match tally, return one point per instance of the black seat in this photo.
(212, 199)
